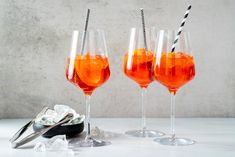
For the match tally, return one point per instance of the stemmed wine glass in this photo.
(173, 70)
(88, 68)
(138, 67)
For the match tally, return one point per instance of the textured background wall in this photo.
(35, 38)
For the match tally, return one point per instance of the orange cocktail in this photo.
(174, 69)
(138, 66)
(89, 72)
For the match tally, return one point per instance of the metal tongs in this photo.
(36, 134)
(26, 126)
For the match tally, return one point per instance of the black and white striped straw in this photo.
(85, 31)
(143, 27)
(181, 28)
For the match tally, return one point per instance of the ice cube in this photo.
(51, 113)
(97, 133)
(59, 144)
(56, 143)
(53, 116)
(47, 120)
(76, 120)
(40, 147)
(62, 110)
(53, 139)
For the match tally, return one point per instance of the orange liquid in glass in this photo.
(89, 72)
(138, 67)
(174, 70)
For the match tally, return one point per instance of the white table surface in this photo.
(215, 138)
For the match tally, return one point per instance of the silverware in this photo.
(26, 126)
(34, 135)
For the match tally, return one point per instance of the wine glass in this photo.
(173, 70)
(138, 67)
(88, 68)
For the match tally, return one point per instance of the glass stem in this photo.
(172, 115)
(88, 107)
(143, 109)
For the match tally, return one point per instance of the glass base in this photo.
(93, 143)
(144, 133)
(177, 141)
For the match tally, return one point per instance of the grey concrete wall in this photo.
(35, 38)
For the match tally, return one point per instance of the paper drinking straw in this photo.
(181, 28)
(85, 31)
(143, 26)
